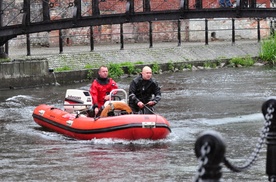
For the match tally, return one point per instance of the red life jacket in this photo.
(100, 88)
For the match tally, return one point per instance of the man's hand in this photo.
(96, 111)
(107, 97)
(140, 104)
(151, 103)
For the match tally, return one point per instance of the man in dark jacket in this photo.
(144, 92)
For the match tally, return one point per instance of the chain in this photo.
(202, 160)
(272, 178)
(253, 157)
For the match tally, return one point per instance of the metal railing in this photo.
(210, 150)
(180, 31)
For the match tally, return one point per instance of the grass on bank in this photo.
(268, 50)
(242, 61)
(64, 68)
(4, 60)
(116, 70)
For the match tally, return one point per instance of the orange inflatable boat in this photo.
(118, 126)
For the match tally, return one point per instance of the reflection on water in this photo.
(225, 100)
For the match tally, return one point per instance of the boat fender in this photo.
(115, 106)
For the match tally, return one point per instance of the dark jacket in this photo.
(144, 91)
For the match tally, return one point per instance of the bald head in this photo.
(146, 73)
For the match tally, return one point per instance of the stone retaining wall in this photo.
(31, 75)
(23, 73)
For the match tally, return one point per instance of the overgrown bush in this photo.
(155, 68)
(130, 68)
(115, 70)
(245, 61)
(268, 49)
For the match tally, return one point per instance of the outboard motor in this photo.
(77, 100)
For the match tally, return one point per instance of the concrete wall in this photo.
(30, 73)
(23, 73)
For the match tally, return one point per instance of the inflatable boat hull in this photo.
(128, 127)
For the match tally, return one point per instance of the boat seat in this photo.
(109, 110)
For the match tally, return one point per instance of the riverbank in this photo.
(78, 63)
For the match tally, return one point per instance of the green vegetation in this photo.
(130, 68)
(246, 61)
(88, 66)
(210, 64)
(64, 68)
(171, 66)
(89, 74)
(5, 60)
(115, 70)
(188, 66)
(155, 68)
(268, 49)
(139, 62)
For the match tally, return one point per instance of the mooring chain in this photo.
(202, 160)
(253, 157)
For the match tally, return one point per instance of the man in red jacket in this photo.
(101, 88)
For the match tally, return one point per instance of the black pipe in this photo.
(146, 5)
(28, 44)
(269, 112)
(210, 149)
(95, 8)
(271, 28)
(78, 6)
(186, 4)
(45, 10)
(60, 42)
(198, 4)
(233, 31)
(91, 39)
(206, 32)
(122, 35)
(150, 34)
(179, 32)
(258, 29)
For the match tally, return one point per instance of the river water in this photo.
(225, 100)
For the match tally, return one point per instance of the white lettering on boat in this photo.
(74, 97)
(69, 122)
(41, 112)
(148, 125)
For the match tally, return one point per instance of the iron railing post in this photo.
(206, 32)
(122, 35)
(211, 145)
(60, 42)
(150, 34)
(233, 31)
(267, 107)
(179, 32)
(91, 39)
